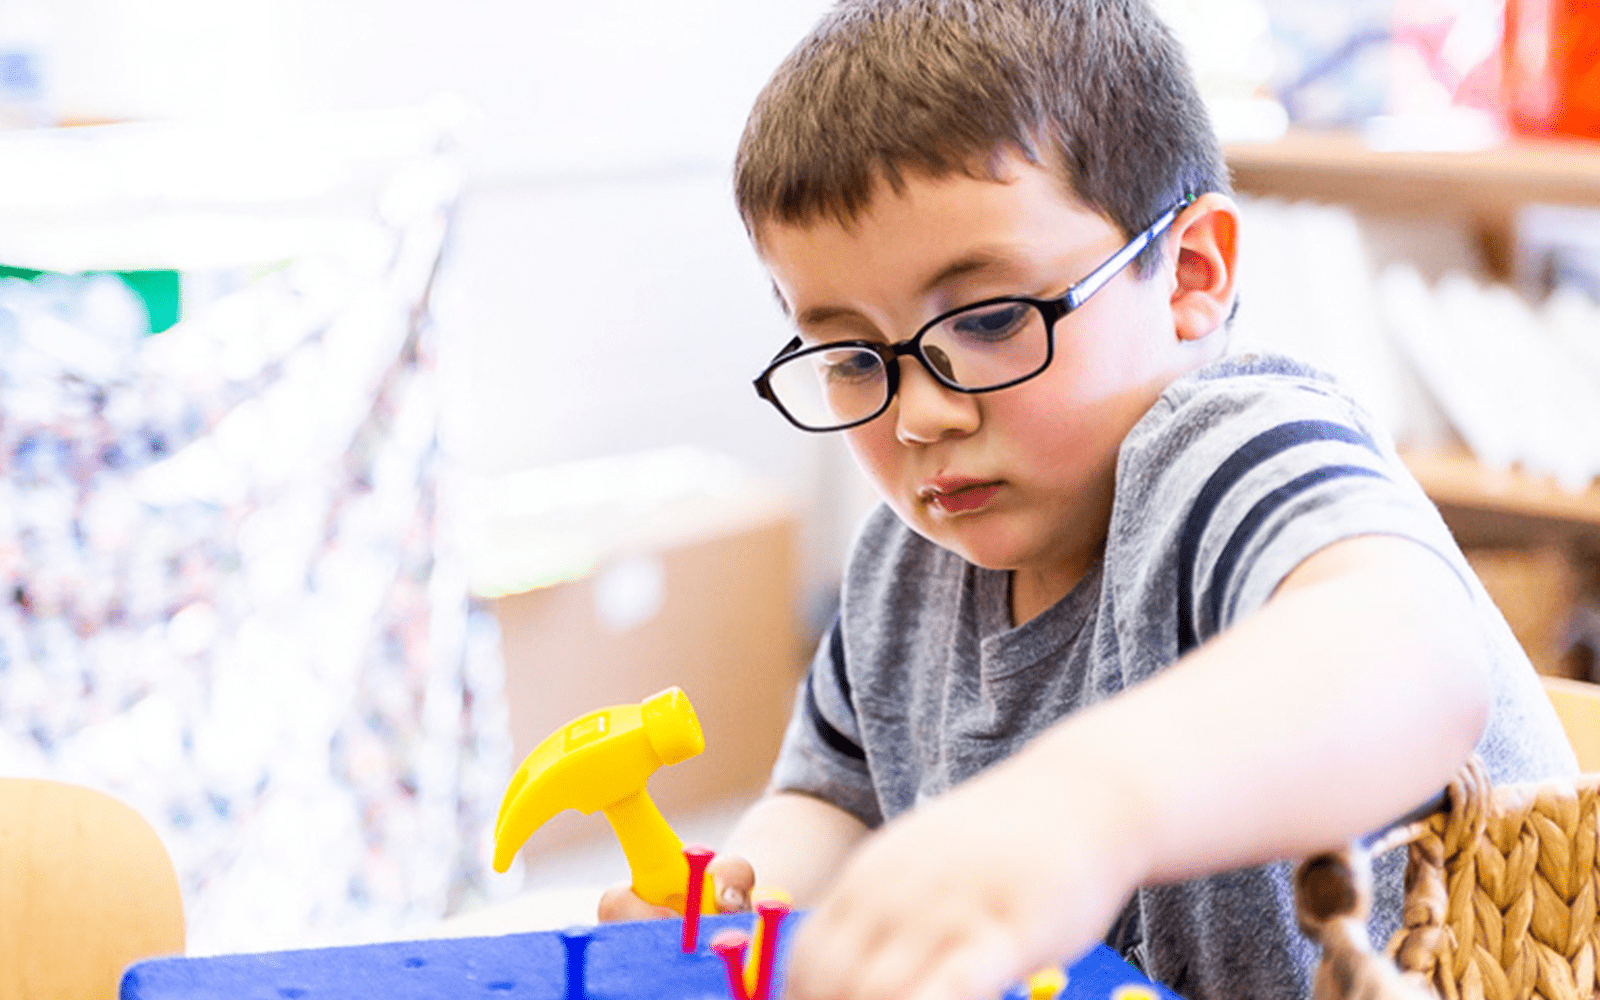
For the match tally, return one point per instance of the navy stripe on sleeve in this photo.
(1264, 509)
(831, 736)
(836, 654)
(840, 743)
(1249, 455)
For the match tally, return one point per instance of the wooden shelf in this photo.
(1485, 188)
(1504, 507)
(1339, 167)
(1459, 479)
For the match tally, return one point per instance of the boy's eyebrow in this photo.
(818, 315)
(971, 263)
(988, 261)
(975, 262)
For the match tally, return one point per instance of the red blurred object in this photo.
(1552, 67)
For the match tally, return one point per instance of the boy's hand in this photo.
(966, 895)
(733, 878)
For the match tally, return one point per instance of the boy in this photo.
(1137, 621)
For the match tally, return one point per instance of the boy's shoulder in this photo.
(1218, 424)
(1209, 413)
(1246, 379)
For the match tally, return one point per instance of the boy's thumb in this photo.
(734, 879)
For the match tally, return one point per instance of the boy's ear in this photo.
(1206, 238)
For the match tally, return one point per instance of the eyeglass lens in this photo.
(975, 349)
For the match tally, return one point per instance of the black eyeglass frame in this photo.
(1051, 309)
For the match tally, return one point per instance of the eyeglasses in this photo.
(988, 345)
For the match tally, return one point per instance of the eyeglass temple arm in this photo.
(789, 348)
(1079, 293)
(760, 381)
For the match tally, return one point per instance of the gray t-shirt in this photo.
(1239, 472)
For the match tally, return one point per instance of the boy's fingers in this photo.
(612, 904)
(893, 971)
(981, 967)
(619, 903)
(734, 879)
(822, 963)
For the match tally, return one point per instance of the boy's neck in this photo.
(1033, 592)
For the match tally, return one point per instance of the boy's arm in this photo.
(1349, 698)
(795, 842)
(1353, 696)
(791, 841)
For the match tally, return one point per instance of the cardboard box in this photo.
(695, 586)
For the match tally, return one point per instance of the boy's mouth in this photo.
(958, 497)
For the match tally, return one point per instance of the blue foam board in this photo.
(628, 961)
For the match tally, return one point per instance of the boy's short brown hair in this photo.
(1097, 89)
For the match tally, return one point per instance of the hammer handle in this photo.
(655, 854)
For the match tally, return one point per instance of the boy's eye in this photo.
(990, 324)
(850, 366)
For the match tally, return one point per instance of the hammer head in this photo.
(593, 762)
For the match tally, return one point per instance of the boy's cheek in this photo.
(875, 453)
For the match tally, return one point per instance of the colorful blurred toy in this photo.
(1552, 67)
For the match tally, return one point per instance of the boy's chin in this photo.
(970, 540)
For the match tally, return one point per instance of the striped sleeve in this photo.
(1260, 508)
(822, 753)
(1247, 478)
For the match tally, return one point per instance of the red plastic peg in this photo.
(771, 912)
(698, 858)
(730, 946)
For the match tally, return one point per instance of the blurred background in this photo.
(374, 396)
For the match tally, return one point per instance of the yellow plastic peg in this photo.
(763, 944)
(1046, 984)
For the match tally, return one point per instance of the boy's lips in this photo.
(954, 496)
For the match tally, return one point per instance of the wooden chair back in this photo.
(1578, 706)
(86, 889)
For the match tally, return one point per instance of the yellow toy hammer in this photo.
(602, 761)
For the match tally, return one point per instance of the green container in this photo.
(158, 290)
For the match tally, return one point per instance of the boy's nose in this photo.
(926, 411)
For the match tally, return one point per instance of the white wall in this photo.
(602, 296)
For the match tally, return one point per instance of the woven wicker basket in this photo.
(1501, 898)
